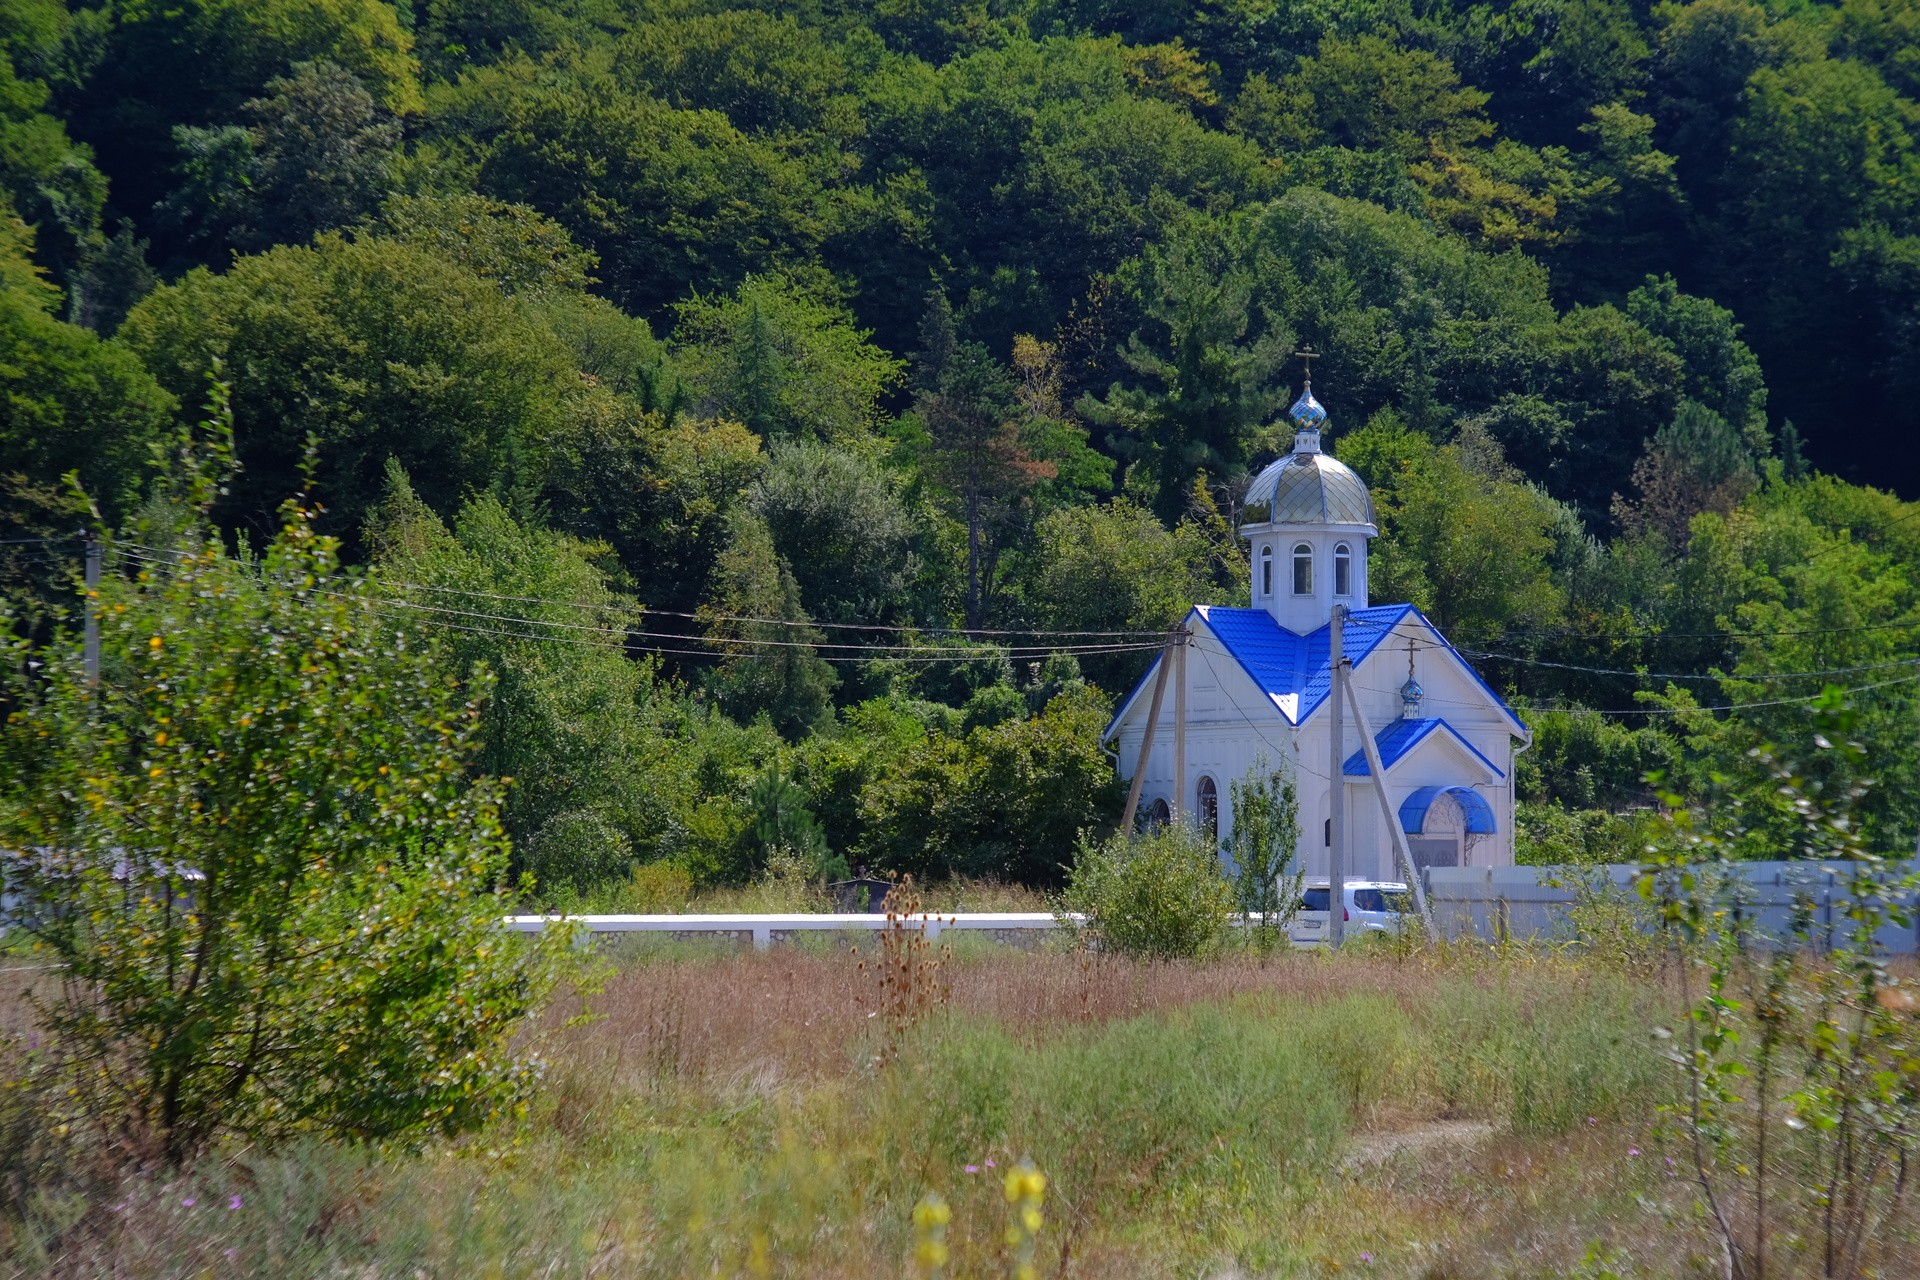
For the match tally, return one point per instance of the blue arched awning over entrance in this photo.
(1413, 810)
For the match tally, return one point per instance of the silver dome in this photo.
(1307, 487)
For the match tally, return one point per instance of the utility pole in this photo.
(1387, 815)
(92, 605)
(1146, 740)
(1177, 643)
(1337, 786)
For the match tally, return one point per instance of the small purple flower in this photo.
(231, 1254)
(188, 1203)
(973, 1168)
(1593, 1119)
(1633, 1151)
(991, 1164)
(234, 1202)
(1366, 1257)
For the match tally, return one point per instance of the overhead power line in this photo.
(148, 554)
(1682, 675)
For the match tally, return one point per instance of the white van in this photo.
(1372, 906)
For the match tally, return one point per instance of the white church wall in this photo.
(1230, 725)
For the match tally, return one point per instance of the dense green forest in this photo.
(808, 412)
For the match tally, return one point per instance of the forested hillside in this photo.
(808, 413)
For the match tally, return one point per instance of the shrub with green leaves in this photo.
(1159, 895)
(256, 852)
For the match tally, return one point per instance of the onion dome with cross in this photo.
(1309, 519)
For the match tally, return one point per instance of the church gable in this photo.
(1425, 747)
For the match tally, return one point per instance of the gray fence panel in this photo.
(1492, 903)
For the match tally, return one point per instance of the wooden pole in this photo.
(1177, 644)
(1337, 785)
(1387, 814)
(1146, 741)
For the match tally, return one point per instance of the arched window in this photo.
(1266, 571)
(1302, 569)
(1158, 815)
(1208, 808)
(1342, 570)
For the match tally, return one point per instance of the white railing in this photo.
(765, 930)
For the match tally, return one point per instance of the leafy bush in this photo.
(578, 847)
(1004, 801)
(1159, 895)
(259, 859)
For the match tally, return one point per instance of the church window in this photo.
(1302, 570)
(1208, 808)
(1343, 570)
(1266, 571)
(1158, 815)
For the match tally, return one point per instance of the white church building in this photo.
(1256, 682)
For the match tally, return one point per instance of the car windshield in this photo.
(1314, 900)
(1380, 900)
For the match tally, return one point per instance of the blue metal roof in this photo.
(1292, 669)
(1413, 810)
(1401, 737)
(1286, 664)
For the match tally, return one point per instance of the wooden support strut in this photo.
(1146, 741)
(1387, 814)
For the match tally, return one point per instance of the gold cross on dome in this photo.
(1308, 355)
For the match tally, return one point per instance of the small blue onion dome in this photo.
(1307, 413)
(1410, 695)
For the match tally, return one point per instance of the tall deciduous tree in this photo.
(978, 448)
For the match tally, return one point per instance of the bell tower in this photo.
(1308, 520)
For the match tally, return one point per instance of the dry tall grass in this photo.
(723, 1114)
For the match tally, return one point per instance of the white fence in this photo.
(1491, 903)
(765, 930)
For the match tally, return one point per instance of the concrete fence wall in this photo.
(1534, 902)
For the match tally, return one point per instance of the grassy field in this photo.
(726, 1113)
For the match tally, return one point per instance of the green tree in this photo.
(764, 637)
(1116, 568)
(343, 968)
(1262, 849)
(162, 65)
(1469, 549)
(48, 179)
(661, 496)
(326, 152)
(319, 156)
(515, 246)
(838, 518)
(1201, 380)
(372, 350)
(1722, 373)
(1007, 800)
(782, 362)
(563, 717)
(782, 822)
(655, 191)
(73, 404)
